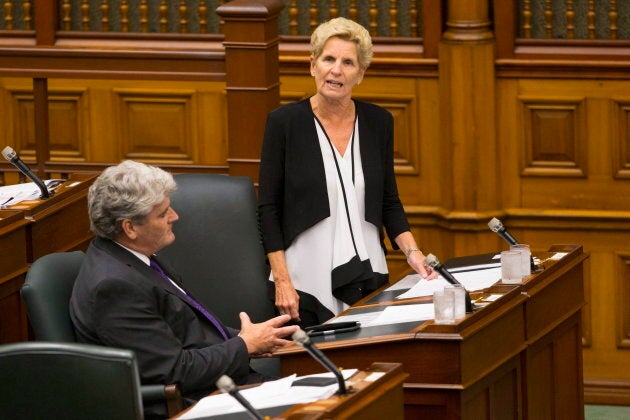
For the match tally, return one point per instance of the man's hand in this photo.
(266, 337)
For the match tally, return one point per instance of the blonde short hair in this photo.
(347, 30)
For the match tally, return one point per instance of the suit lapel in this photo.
(146, 272)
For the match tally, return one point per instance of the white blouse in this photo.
(314, 253)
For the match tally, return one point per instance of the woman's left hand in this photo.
(416, 261)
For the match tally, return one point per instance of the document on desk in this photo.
(397, 314)
(394, 314)
(472, 280)
(269, 394)
(13, 194)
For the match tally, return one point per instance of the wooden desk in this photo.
(374, 393)
(518, 357)
(32, 229)
(13, 322)
(60, 223)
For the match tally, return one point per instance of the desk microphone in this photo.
(11, 155)
(226, 384)
(302, 339)
(432, 261)
(496, 226)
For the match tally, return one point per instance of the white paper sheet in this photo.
(268, 394)
(397, 314)
(405, 283)
(13, 194)
(471, 280)
(394, 314)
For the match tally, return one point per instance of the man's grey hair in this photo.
(128, 190)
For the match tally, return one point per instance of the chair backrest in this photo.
(44, 380)
(47, 292)
(218, 249)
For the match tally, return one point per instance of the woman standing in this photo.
(327, 186)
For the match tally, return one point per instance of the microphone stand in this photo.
(302, 339)
(9, 154)
(432, 261)
(227, 385)
(497, 227)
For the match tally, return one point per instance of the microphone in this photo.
(302, 339)
(432, 261)
(9, 154)
(496, 226)
(226, 384)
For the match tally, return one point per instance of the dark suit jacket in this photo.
(119, 301)
(293, 195)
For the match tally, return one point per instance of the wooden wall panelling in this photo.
(603, 242)
(622, 300)
(251, 36)
(13, 322)
(467, 147)
(467, 106)
(157, 126)
(68, 126)
(621, 137)
(212, 126)
(554, 136)
(166, 122)
(103, 139)
(574, 173)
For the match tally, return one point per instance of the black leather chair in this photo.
(46, 380)
(47, 292)
(218, 250)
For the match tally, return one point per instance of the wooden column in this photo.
(45, 34)
(42, 125)
(467, 96)
(252, 78)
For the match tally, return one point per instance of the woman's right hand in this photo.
(287, 298)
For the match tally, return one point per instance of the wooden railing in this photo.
(299, 17)
(573, 19)
(536, 19)
(573, 30)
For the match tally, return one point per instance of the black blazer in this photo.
(293, 195)
(119, 301)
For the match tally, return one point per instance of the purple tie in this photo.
(155, 266)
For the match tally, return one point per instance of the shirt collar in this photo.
(140, 255)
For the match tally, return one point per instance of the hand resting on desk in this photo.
(264, 338)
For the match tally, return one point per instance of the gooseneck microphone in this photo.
(9, 154)
(302, 339)
(432, 261)
(226, 384)
(496, 226)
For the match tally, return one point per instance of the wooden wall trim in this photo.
(568, 68)
(607, 391)
(522, 218)
(65, 169)
(66, 62)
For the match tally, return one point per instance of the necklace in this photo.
(343, 188)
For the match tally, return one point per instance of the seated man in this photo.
(124, 298)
